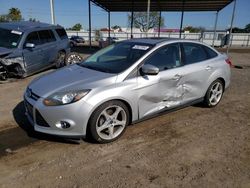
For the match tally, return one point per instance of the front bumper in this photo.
(46, 119)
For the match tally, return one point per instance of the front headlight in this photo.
(61, 98)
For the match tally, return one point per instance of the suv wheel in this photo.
(60, 60)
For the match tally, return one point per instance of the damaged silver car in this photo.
(124, 83)
(29, 47)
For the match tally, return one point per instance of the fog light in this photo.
(65, 124)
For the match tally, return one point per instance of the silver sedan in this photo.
(124, 83)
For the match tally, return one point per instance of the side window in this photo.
(194, 53)
(46, 36)
(61, 33)
(166, 57)
(33, 38)
(210, 52)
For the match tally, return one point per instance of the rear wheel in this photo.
(60, 60)
(108, 122)
(73, 58)
(214, 93)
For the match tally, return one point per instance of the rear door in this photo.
(164, 90)
(49, 46)
(199, 65)
(33, 56)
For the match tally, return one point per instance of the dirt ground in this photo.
(192, 147)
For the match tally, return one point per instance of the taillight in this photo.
(229, 62)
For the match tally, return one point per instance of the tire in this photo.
(109, 121)
(73, 58)
(60, 59)
(214, 94)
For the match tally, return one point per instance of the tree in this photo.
(116, 27)
(77, 27)
(192, 29)
(14, 14)
(247, 28)
(140, 20)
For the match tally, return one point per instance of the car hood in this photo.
(69, 78)
(5, 51)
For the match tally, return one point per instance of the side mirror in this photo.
(149, 70)
(30, 45)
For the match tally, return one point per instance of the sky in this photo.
(70, 12)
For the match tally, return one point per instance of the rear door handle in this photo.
(208, 68)
(177, 77)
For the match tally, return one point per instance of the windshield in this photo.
(117, 57)
(9, 38)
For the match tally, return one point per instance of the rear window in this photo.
(211, 53)
(194, 53)
(46, 36)
(62, 33)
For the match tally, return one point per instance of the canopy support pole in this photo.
(109, 25)
(131, 24)
(215, 27)
(182, 14)
(231, 27)
(148, 10)
(159, 26)
(90, 45)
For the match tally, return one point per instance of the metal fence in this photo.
(237, 39)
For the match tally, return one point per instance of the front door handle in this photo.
(177, 77)
(209, 68)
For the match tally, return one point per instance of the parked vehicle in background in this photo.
(124, 83)
(76, 41)
(108, 41)
(29, 47)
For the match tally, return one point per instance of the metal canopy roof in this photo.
(161, 5)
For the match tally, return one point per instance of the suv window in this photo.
(194, 53)
(46, 36)
(211, 53)
(33, 38)
(166, 57)
(62, 33)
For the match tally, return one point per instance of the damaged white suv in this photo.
(29, 47)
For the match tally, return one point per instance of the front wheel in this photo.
(214, 93)
(109, 121)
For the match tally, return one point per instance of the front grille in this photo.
(40, 120)
(29, 108)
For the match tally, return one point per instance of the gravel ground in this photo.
(192, 147)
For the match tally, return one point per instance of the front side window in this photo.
(166, 57)
(117, 57)
(194, 53)
(9, 38)
(33, 38)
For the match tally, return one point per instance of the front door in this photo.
(164, 90)
(33, 56)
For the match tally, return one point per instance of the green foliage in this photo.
(14, 14)
(77, 27)
(192, 29)
(140, 20)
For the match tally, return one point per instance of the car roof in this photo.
(152, 41)
(25, 25)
